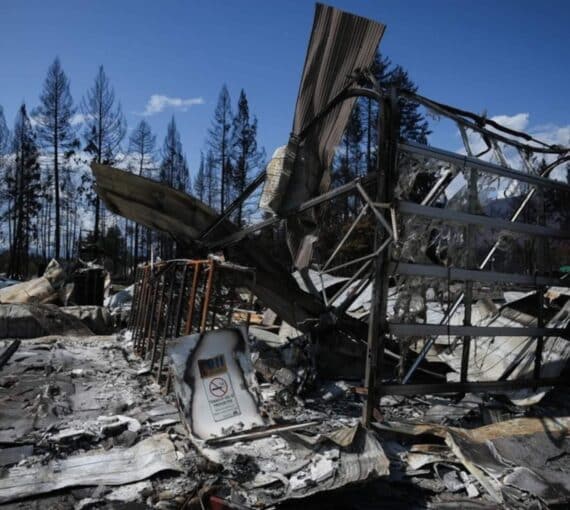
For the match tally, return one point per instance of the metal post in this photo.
(168, 320)
(468, 299)
(192, 299)
(181, 288)
(388, 134)
(207, 292)
(540, 268)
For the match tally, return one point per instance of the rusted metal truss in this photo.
(181, 297)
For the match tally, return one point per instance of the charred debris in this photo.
(422, 374)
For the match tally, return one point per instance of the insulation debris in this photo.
(518, 463)
(38, 290)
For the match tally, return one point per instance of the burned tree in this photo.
(200, 180)
(220, 143)
(54, 131)
(105, 129)
(173, 172)
(210, 180)
(4, 151)
(23, 188)
(174, 168)
(142, 144)
(246, 156)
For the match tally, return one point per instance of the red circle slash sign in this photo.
(218, 387)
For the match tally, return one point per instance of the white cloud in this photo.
(158, 103)
(549, 133)
(518, 122)
(552, 134)
(78, 118)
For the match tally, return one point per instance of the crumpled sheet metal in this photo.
(114, 467)
(155, 205)
(511, 459)
(340, 44)
(162, 208)
(290, 468)
(37, 290)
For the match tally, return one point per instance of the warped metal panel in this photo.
(340, 44)
(162, 208)
(155, 205)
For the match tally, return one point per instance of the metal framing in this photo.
(379, 266)
(176, 298)
(473, 272)
(164, 303)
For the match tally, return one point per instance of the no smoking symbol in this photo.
(218, 387)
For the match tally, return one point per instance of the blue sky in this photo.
(509, 58)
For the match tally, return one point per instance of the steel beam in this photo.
(388, 134)
(313, 202)
(470, 387)
(476, 219)
(458, 273)
(479, 331)
(484, 166)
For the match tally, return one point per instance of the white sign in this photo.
(219, 388)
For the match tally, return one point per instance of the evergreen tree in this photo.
(382, 73)
(413, 125)
(211, 180)
(142, 144)
(173, 172)
(174, 167)
(54, 130)
(200, 181)
(349, 161)
(105, 130)
(4, 151)
(357, 153)
(246, 156)
(23, 188)
(220, 143)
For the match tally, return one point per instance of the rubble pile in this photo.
(79, 420)
(250, 423)
(234, 379)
